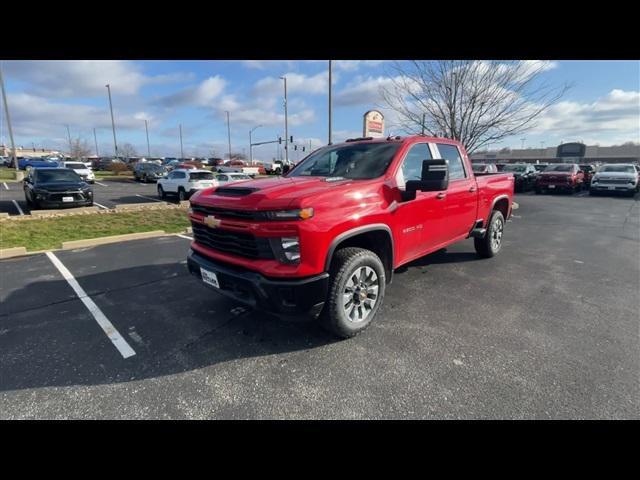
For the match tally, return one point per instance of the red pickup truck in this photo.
(323, 240)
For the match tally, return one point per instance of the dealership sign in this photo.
(373, 124)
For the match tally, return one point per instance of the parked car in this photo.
(81, 169)
(540, 167)
(524, 175)
(56, 187)
(148, 172)
(214, 162)
(560, 177)
(615, 178)
(500, 166)
(106, 163)
(184, 183)
(186, 166)
(484, 168)
(589, 171)
(26, 163)
(227, 178)
(324, 240)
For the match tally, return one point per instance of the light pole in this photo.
(6, 111)
(229, 134)
(250, 144)
(95, 139)
(113, 123)
(286, 124)
(523, 139)
(146, 127)
(181, 151)
(69, 137)
(330, 113)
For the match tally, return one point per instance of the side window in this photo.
(181, 175)
(450, 153)
(411, 168)
(222, 178)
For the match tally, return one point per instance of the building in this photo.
(564, 153)
(5, 151)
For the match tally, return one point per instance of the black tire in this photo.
(161, 193)
(144, 179)
(491, 243)
(347, 264)
(182, 195)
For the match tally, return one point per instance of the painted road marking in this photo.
(184, 236)
(5, 185)
(144, 196)
(103, 184)
(101, 206)
(120, 343)
(18, 207)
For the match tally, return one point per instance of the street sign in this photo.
(373, 124)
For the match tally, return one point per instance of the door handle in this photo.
(472, 189)
(440, 196)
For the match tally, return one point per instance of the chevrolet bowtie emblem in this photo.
(211, 221)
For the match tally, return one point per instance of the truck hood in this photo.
(278, 193)
(628, 175)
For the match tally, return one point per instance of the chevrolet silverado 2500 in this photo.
(323, 240)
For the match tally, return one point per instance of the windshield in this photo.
(618, 168)
(201, 176)
(77, 165)
(514, 168)
(61, 175)
(358, 161)
(559, 168)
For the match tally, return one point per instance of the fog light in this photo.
(291, 248)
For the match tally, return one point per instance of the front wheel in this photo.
(356, 290)
(491, 243)
(161, 193)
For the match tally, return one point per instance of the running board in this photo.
(478, 233)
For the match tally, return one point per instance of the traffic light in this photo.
(291, 139)
(280, 140)
(295, 147)
(303, 149)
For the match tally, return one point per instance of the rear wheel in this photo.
(491, 243)
(182, 195)
(356, 290)
(161, 193)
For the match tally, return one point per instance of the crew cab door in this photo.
(461, 204)
(418, 221)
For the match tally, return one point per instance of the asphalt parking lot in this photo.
(107, 194)
(548, 329)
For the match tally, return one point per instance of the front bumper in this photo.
(300, 298)
(607, 187)
(55, 204)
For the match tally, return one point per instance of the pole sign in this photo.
(373, 125)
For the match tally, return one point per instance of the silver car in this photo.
(621, 177)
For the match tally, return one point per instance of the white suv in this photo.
(184, 183)
(613, 177)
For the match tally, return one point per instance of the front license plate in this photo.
(209, 278)
(612, 188)
(67, 199)
(552, 186)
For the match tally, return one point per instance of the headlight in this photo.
(594, 180)
(298, 214)
(286, 249)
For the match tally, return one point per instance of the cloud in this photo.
(296, 83)
(617, 113)
(200, 95)
(84, 78)
(362, 91)
(353, 65)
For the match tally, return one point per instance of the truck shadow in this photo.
(439, 257)
(170, 319)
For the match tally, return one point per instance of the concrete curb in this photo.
(4, 215)
(91, 211)
(13, 252)
(90, 242)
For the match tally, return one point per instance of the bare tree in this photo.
(80, 149)
(236, 156)
(475, 102)
(127, 150)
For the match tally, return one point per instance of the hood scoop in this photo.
(234, 191)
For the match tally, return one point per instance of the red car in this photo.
(560, 177)
(323, 240)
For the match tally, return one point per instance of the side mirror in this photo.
(434, 177)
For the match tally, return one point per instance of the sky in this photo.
(602, 107)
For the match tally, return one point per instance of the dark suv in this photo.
(56, 187)
(148, 171)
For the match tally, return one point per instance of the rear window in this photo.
(201, 176)
(559, 168)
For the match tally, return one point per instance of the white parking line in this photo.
(120, 343)
(150, 198)
(103, 184)
(183, 236)
(18, 207)
(100, 205)
(5, 185)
